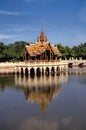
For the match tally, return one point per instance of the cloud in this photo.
(18, 28)
(9, 12)
(15, 28)
(4, 36)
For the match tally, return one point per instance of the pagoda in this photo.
(41, 50)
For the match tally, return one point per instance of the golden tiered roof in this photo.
(36, 49)
(41, 46)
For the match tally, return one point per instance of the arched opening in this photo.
(58, 71)
(52, 71)
(70, 65)
(42, 71)
(32, 72)
(38, 72)
(22, 72)
(81, 64)
(47, 71)
(26, 71)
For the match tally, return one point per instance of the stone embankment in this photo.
(10, 67)
(7, 67)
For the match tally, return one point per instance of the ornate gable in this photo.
(41, 47)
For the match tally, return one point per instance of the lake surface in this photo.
(43, 103)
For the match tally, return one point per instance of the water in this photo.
(43, 103)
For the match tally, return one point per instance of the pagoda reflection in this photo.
(40, 90)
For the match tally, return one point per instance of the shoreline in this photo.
(9, 68)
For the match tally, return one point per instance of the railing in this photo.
(41, 63)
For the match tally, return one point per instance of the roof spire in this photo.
(42, 38)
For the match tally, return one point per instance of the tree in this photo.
(2, 47)
(66, 51)
(12, 52)
(80, 50)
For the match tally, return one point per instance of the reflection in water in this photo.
(37, 124)
(6, 81)
(65, 112)
(77, 70)
(40, 90)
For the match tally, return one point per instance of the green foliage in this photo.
(66, 51)
(12, 52)
(80, 50)
(75, 51)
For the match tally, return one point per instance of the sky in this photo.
(63, 21)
